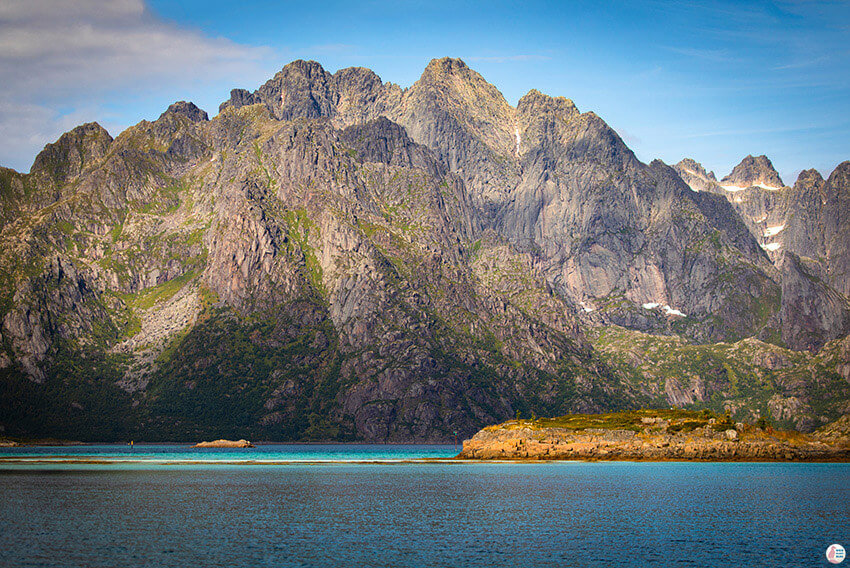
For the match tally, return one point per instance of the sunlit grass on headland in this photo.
(673, 420)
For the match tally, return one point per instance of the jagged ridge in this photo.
(333, 257)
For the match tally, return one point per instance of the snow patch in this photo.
(516, 133)
(772, 247)
(696, 175)
(585, 307)
(667, 309)
(771, 231)
(734, 188)
(671, 312)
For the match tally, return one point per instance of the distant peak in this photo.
(447, 65)
(359, 72)
(809, 176)
(449, 70)
(187, 109)
(87, 129)
(535, 101)
(754, 170)
(535, 94)
(308, 67)
(843, 169)
(693, 167)
(75, 149)
(299, 71)
(839, 179)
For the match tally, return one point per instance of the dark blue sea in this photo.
(384, 506)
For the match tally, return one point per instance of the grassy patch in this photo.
(301, 229)
(147, 299)
(677, 419)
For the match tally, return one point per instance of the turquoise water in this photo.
(308, 512)
(114, 456)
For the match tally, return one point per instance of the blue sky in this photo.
(709, 80)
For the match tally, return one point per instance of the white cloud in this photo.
(28, 127)
(68, 46)
(716, 55)
(60, 55)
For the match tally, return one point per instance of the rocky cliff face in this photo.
(756, 192)
(802, 222)
(812, 312)
(693, 173)
(333, 257)
(560, 184)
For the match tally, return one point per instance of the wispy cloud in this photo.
(718, 55)
(55, 47)
(754, 131)
(55, 52)
(803, 63)
(509, 58)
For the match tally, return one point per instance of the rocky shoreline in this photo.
(672, 437)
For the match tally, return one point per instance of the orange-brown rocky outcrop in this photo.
(650, 436)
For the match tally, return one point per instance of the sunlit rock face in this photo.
(751, 172)
(334, 257)
(693, 173)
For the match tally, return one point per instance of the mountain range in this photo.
(333, 257)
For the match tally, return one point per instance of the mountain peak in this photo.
(454, 74)
(754, 171)
(695, 168)
(537, 101)
(308, 67)
(187, 109)
(448, 65)
(693, 173)
(461, 95)
(809, 176)
(68, 156)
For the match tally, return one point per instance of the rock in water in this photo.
(225, 444)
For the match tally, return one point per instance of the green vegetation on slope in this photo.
(677, 420)
(749, 378)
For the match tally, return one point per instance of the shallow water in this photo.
(419, 514)
(158, 455)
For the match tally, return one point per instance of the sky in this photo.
(713, 81)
